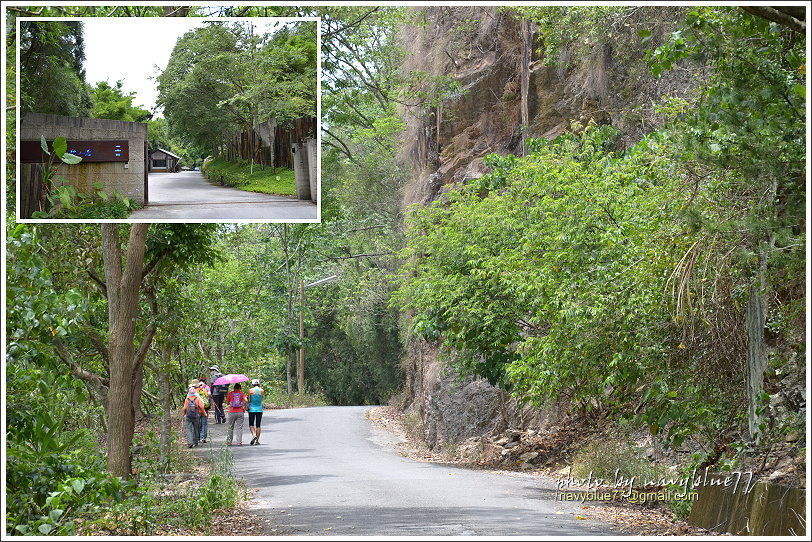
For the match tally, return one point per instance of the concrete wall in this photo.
(128, 181)
(765, 509)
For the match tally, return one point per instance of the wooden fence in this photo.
(32, 196)
(250, 144)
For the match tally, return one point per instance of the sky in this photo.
(130, 48)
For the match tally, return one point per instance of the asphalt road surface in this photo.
(187, 195)
(329, 471)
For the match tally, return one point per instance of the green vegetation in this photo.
(224, 78)
(163, 506)
(659, 284)
(52, 79)
(517, 281)
(615, 460)
(110, 102)
(67, 202)
(633, 281)
(277, 397)
(251, 177)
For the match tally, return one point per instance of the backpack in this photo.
(205, 396)
(219, 389)
(192, 411)
(236, 400)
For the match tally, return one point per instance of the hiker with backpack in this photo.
(202, 391)
(218, 393)
(255, 395)
(205, 386)
(236, 402)
(192, 408)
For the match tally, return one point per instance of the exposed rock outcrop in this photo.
(509, 93)
(453, 408)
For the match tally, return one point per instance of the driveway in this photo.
(188, 195)
(329, 471)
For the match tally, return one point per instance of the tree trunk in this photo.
(138, 369)
(756, 352)
(286, 252)
(137, 389)
(289, 371)
(164, 444)
(756, 318)
(123, 287)
(175, 11)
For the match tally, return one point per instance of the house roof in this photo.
(169, 153)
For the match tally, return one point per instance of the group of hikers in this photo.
(202, 398)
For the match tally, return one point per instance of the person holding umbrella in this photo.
(218, 393)
(237, 402)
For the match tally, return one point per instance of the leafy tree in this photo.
(52, 79)
(99, 345)
(110, 102)
(533, 284)
(285, 71)
(193, 85)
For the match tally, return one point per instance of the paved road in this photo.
(329, 471)
(188, 195)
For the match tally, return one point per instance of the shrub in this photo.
(67, 202)
(609, 460)
(48, 482)
(161, 505)
(253, 179)
(413, 425)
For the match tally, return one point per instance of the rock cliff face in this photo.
(453, 408)
(509, 94)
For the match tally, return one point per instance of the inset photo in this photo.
(168, 119)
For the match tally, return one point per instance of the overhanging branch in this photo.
(778, 15)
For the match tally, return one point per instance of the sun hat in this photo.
(255, 382)
(194, 383)
(214, 368)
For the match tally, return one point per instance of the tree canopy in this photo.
(223, 78)
(110, 102)
(52, 79)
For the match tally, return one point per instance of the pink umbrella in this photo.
(230, 379)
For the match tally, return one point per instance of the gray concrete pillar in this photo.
(312, 161)
(301, 170)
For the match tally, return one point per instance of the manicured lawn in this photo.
(239, 175)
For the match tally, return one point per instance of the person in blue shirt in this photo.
(255, 396)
